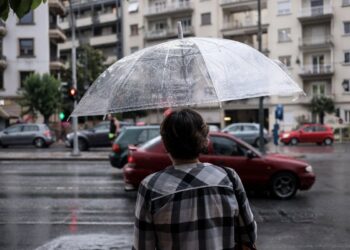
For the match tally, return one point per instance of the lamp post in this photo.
(261, 99)
(75, 151)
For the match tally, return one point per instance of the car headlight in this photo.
(285, 135)
(308, 169)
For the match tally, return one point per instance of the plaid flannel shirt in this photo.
(192, 206)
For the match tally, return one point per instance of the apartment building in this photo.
(28, 45)
(98, 23)
(310, 36)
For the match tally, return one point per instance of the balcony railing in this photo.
(316, 40)
(159, 34)
(103, 39)
(240, 24)
(233, 1)
(316, 11)
(57, 33)
(176, 6)
(317, 69)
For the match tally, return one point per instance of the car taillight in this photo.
(130, 159)
(116, 148)
(47, 133)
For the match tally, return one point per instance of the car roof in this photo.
(141, 127)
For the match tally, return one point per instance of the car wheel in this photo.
(39, 143)
(82, 144)
(328, 141)
(294, 141)
(257, 142)
(284, 185)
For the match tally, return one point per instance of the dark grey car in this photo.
(93, 137)
(38, 135)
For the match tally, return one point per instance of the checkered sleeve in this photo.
(144, 235)
(246, 223)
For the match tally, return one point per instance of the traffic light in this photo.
(62, 116)
(73, 93)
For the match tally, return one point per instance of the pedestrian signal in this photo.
(73, 93)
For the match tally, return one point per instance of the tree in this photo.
(20, 7)
(321, 105)
(40, 94)
(90, 64)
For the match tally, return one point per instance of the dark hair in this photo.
(184, 134)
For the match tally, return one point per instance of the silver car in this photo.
(38, 135)
(248, 132)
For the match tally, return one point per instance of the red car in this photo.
(316, 133)
(282, 175)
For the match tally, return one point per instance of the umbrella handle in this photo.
(180, 33)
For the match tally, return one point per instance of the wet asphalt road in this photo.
(82, 205)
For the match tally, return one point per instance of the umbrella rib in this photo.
(165, 63)
(126, 77)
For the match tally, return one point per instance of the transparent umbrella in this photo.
(185, 72)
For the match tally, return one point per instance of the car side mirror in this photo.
(250, 154)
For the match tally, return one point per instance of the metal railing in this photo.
(168, 7)
(151, 34)
(316, 11)
(316, 40)
(233, 1)
(317, 69)
(240, 24)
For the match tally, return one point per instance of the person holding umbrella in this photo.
(192, 205)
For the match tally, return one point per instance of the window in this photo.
(134, 49)
(347, 115)
(284, 35)
(153, 133)
(133, 7)
(226, 147)
(283, 7)
(160, 26)
(286, 60)
(236, 128)
(1, 80)
(346, 85)
(347, 28)
(26, 47)
(186, 23)
(347, 57)
(206, 19)
(134, 30)
(29, 128)
(309, 129)
(249, 128)
(22, 77)
(318, 89)
(14, 129)
(27, 19)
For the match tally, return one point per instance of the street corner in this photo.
(88, 242)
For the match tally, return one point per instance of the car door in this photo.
(307, 134)
(28, 133)
(99, 136)
(250, 133)
(230, 153)
(12, 135)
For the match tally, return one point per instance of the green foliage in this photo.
(89, 67)
(321, 105)
(40, 94)
(20, 7)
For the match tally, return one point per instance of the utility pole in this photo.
(75, 151)
(261, 99)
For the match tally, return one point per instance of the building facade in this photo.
(28, 45)
(311, 37)
(98, 24)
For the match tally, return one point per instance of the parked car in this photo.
(38, 135)
(280, 174)
(248, 132)
(315, 133)
(93, 137)
(133, 135)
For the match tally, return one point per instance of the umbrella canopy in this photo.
(185, 72)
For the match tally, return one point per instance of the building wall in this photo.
(41, 60)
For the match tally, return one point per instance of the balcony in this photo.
(241, 5)
(317, 72)
(247, 27)
(57, 7)
(103, 40)
(167, 33)
(56, 33)
(68, 45)
(56, 64)
(169, 8)
(315, 14)
(3, 62)
(311, 44)
(2, 28)
(106, 17)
